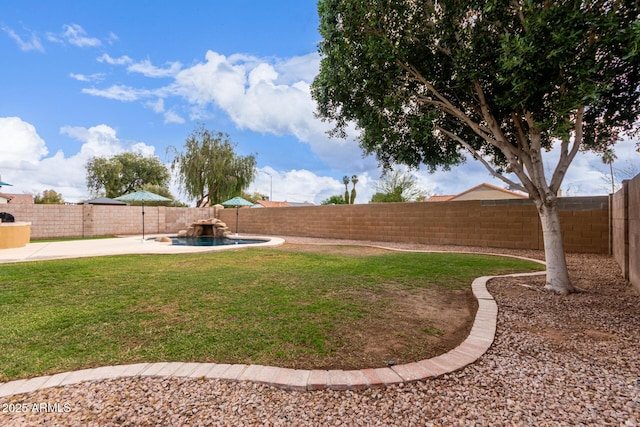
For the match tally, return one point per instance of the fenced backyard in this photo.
(598, 224)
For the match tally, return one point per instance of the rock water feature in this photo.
(209, 232)
(212, 227)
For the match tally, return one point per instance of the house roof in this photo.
(440, 198)
(270, 204)
(18, 199)
(484, 187)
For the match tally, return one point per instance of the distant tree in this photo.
(48, 197)
(345, 181)
(124, 173)
(209, 169)
(625, 171)
(629, 170)
(505, 81)
(253, 197)
(354, 181)
(334, 200)
(397, 186)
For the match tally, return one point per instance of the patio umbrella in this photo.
(236, 202)
(142, 196)
(4, 183)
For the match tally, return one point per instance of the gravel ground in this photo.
(556, 360)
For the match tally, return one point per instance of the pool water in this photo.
(211, 241)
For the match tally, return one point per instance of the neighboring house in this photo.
(483, 191)
(270, 204)
(16, 199)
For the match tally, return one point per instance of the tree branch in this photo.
(486, 164)
(566, 156)
(536, 170)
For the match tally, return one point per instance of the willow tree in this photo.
(426, 81)
(209, 170)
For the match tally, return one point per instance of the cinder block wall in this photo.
(620, 229)
(634, 232)
(625, 225)
(58, 221)
(498, 223)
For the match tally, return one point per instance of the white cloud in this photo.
(76, 35)
(24, 162)
(112, 38)
(217, 81)
(147, 69)
(298, 68)
(96, 77)
(157, 106)
(300, 185)
(31, 43)
(123, 60)
(20, 143)
(118, 92)
(173, 117)
(267, 96)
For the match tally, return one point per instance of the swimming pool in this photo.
(212, 241)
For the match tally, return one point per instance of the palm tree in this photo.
(354, 180)
(608, 156)
(345, 181)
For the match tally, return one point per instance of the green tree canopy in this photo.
(48, 197)
(397, 186)
(253, 197)
(124, 173)
(209, 169)
(426, 81)
(334, 200)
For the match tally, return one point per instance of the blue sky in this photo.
(82, 79)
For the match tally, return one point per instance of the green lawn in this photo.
(266, 306)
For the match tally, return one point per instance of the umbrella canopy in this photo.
(142, 196)
(237, 202)
(4, 183)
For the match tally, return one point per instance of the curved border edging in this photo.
(477, 343)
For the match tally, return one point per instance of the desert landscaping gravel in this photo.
(556, 360)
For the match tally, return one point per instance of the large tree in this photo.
(209, 169)
(124, 173)
(428, 80)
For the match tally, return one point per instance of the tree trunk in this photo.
(557, 273)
